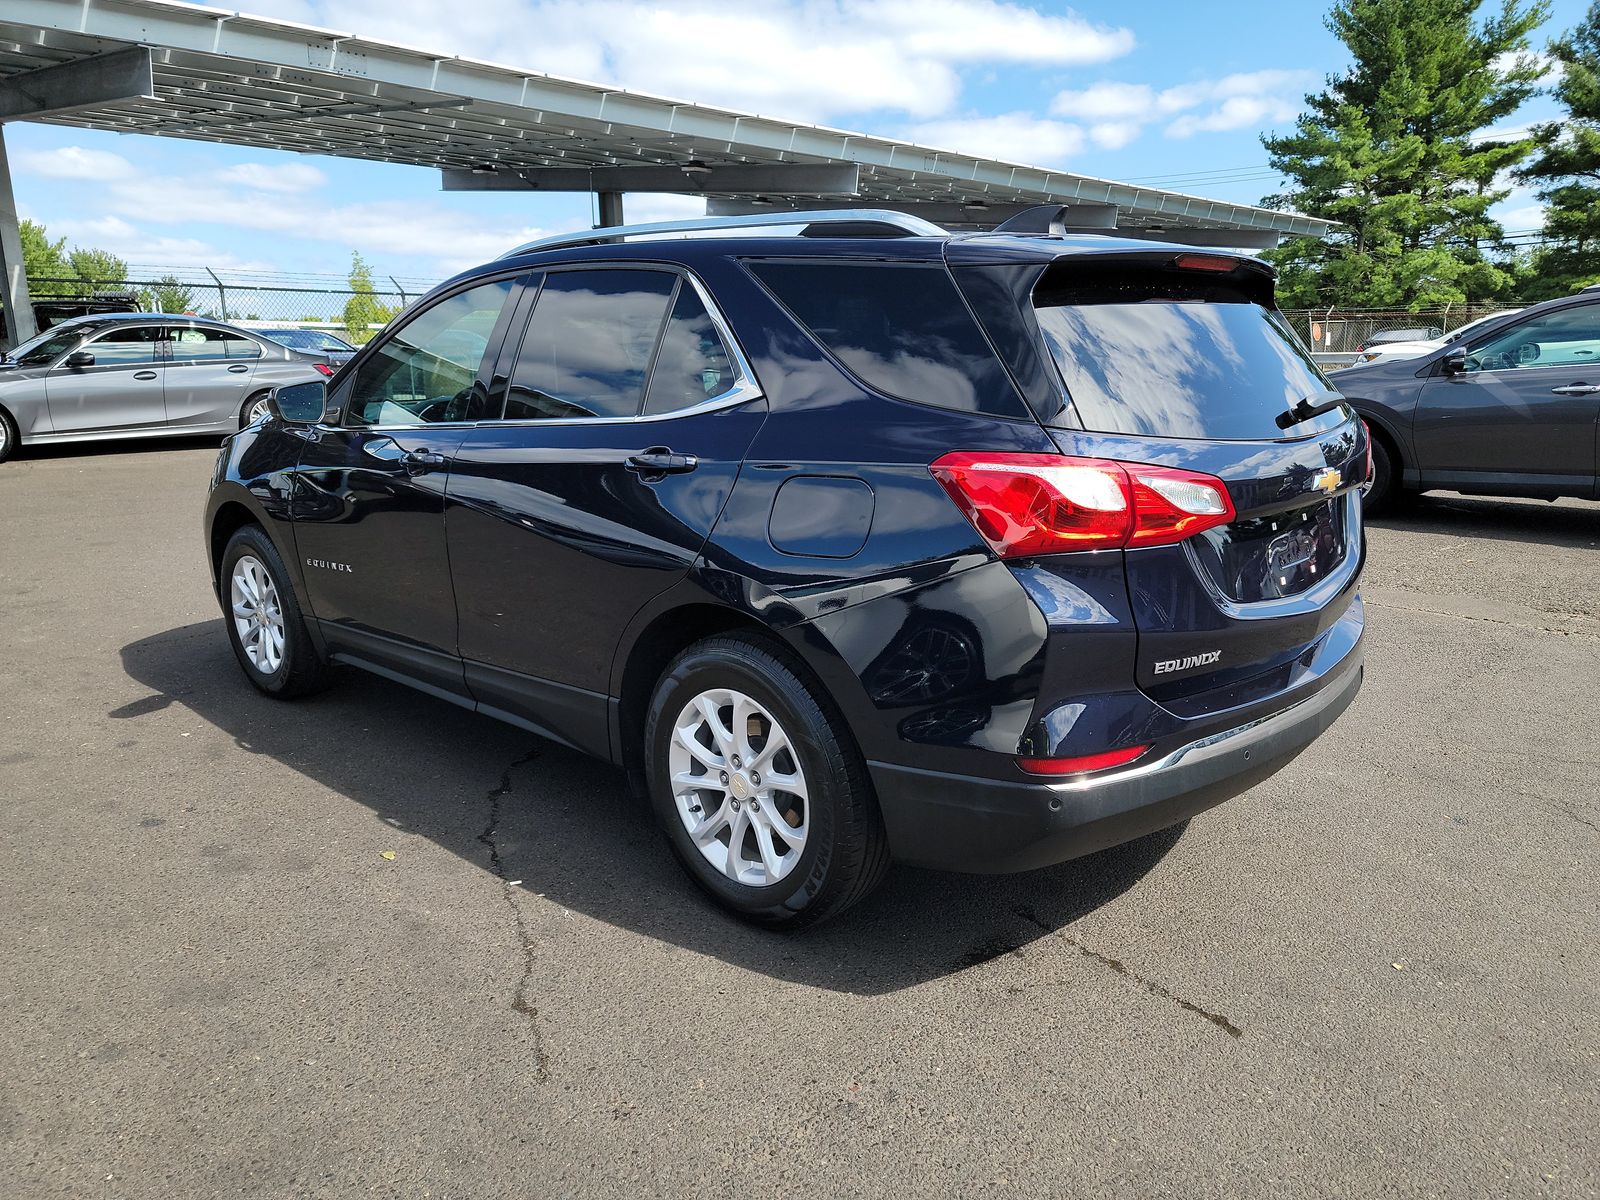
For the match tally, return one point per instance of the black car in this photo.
(977, 552)
(1511, 410)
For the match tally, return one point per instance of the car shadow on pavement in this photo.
(566, 827)
(111, 447)
(1535, 522)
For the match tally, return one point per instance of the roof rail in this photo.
(903, 223)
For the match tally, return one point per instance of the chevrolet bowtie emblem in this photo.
(1327, 481)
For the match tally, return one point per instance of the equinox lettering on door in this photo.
(328, 566)
(1167, 665)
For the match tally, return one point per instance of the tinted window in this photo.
(309, 339)
(136, 345)
(901, 327)
(1171, 358)
(196, 344)
(588, 345)
(692, 365)
(1565, 338)
(426, 369)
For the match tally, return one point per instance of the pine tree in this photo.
(1394, 149)
(1569, 166)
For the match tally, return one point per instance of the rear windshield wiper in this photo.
(1304, 409)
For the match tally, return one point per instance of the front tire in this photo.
(1384, 493)
(264, 621)
(759, 787)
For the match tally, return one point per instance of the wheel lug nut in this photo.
(755, 778)
(724, 778)
(737, 762)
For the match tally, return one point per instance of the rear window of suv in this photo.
(901, 328)
(1167, 353)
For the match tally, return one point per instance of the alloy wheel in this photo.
(259, 411)
(257, 614)
(739, 787)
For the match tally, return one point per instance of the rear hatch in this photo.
(1181, 360)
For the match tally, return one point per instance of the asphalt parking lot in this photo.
(369, 944)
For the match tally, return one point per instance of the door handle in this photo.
(659, 460)
(422, 457)
(144, 374)
(239, 368)
(1577, 389)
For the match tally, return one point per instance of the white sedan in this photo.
(1389, 351)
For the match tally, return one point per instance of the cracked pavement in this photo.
(1375, 974)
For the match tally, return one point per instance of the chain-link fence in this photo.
(246, 298)
(1338, 331)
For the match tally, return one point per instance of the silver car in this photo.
(118, 375)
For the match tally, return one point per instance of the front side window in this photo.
(118, 347)
(692, 365)
(425, 371)
(193, 343)
(44, 348)
(1569, 337)
(902, 328)
(589, 343)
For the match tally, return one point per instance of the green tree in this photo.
(363, 312)
(45, 262)
(1394, 149)
(98, 270)
(1569, 168)
(168, 295)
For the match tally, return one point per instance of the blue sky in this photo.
(1164, 92)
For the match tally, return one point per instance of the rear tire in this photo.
(759, 787)
(264, 621)
(9, 437)
(254, 409)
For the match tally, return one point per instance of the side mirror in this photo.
(1454, 363)
(79, 359)
(298, 403)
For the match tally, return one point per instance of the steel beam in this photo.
(784, 179)
(94, 82)
(610, 210)
(20, 325)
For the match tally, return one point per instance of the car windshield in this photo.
(309, 339)
(45, 348)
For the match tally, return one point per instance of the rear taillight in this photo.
(1204, 262)
(324, 368)
(1028, 504)
(1086, 762)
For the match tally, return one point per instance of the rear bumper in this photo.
(964, 823)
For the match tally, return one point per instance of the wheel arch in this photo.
(1383, 426)
(230, 517)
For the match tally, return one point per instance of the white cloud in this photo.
(274, 177)
(73, 162)
(1120, 110)
(1011, 137)
(137, 208)
(807, 59)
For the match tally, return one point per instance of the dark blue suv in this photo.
(852, 540)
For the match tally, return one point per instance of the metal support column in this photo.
(610, 209)
(20, 325)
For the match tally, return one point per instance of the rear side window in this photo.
(1173, 354)
(589, 343)
(198, 344)
(692, 365)
(902, 328)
